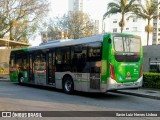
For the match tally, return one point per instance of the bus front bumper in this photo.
(113, 85)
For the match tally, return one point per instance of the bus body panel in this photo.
(113, 85)
(126, 74)
(17, 69)
(81, 81)
(13, 76)
(105, 58)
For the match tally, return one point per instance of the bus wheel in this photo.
(21, 79)
(68, 85)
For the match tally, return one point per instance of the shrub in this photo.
(151, 80)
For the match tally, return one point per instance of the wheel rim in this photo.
(21, 79)
(68, 85)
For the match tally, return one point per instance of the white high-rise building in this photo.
(96, 28)
(75, 5)
(156, 27)
(133, 25)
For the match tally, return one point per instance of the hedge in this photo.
(151, 80)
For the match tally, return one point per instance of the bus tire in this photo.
(20, 79)
(68, 85)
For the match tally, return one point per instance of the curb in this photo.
(6, 80)
(139, 95)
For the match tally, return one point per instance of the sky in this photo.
(95, 9)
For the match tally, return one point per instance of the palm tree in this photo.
(123, 7)
(149, 12)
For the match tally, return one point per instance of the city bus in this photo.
(100, 63)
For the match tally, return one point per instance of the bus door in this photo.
(31, 73)
(51, 68)
(40, 68)
(94, 58)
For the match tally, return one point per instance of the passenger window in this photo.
(78, 58)
(94, 51)
(12, 61)
(63, 56)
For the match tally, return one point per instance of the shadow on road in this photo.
(100, 96)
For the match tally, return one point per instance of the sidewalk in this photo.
(4, 77)
(142, 92)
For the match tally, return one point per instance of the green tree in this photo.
(148, 12)
(120, 6)
(55, 27)
(79, 25)
(75, 24)
(19, 17)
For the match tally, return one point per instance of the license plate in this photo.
(127, 84)
(128, 78)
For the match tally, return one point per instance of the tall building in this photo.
(96, 27)
(156, 27)
(75, 5)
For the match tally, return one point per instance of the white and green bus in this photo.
(94, 64)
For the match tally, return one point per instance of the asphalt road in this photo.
(14, 97)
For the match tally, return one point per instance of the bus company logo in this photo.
(6, 114)
(128, 73)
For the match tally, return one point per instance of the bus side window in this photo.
(25, 63)
(63, 59)
(19, 61)
(12, 61)
(94, 51)
(78, 58)
(63, 55)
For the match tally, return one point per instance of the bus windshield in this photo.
(127, 49)
(127, 44)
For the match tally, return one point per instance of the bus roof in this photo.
(67, 42)
(20, 49)
(70, 42)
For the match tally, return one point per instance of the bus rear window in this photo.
(127, 44)
(127, 49)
